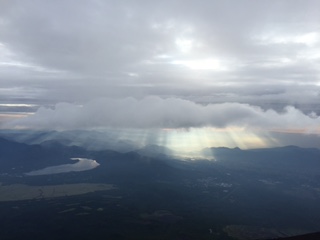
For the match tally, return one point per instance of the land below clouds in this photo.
(275, 189)
(17, 192)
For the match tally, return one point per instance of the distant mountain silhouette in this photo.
(155, 151)
(19, 157)
(90, 140)
(310, 236)
(290, 159)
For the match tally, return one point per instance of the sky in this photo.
(248, 69)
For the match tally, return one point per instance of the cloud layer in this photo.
(52, 51)
(155, 112)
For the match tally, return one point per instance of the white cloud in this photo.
(201, 64)
(155, 112)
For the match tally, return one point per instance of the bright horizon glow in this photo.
(196, 139)
(17, 105)
(189, 143)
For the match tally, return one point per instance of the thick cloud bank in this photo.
(155, 112)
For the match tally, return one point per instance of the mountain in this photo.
(310, 236)
(19, 157)
(288, 159)
(155, 151)
(90, 140)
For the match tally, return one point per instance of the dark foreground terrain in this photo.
(252, 194)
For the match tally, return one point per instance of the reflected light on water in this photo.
(83, 164)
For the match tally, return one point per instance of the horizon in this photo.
(151, 142)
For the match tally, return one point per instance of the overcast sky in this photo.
(156, 64)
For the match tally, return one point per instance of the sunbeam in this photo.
(189, 143)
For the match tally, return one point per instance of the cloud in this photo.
(155, 112)
(224, 64)
(128, 48)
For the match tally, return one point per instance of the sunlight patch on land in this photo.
(192, 141)
(229, 137)
(189, 142)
